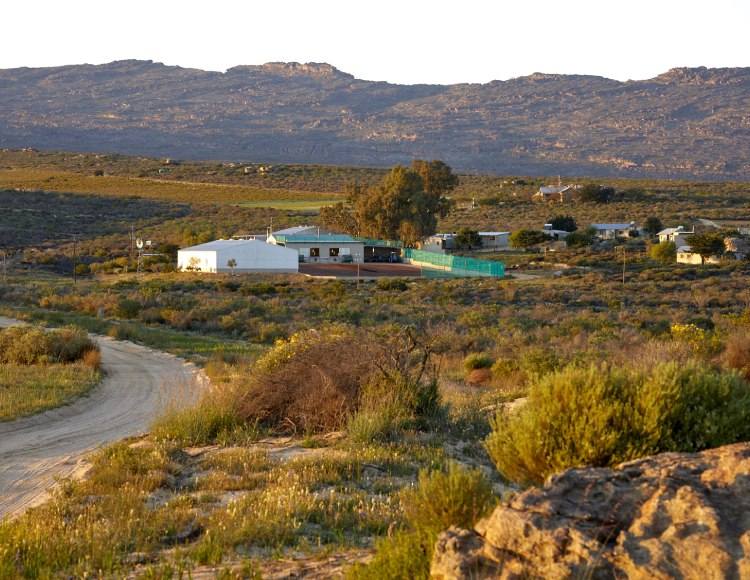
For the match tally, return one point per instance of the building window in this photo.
(333, 252)
(314, 252)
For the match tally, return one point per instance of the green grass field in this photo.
(175, 191)
(292, 204)
(27, 390)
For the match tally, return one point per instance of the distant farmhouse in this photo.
(442, 243)
(553, 193)
(678, 235)
(613, 231)
(555, 235)
(735, 248)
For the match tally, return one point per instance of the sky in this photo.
(405, 42)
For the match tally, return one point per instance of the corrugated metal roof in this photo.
(677, 230)
(296, 230)
(492, 233)
(613, 226)
(220, 245)
(322, 239)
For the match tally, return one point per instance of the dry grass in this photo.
(26, 390)
(737, 353)
(176, 191)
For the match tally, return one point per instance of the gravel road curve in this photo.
(35, 450)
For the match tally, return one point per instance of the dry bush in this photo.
(93, 359)
(310, 383)
(479, 376)
(650, 353)
(737, 353)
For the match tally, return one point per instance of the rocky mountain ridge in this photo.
(687, 122)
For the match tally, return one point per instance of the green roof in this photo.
(324, 239)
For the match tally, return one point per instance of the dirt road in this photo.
(35, 450)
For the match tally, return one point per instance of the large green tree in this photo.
(525, 239)
(405, 206)
(466, 238)
(707, 244)
(565, 223)
(653, 226)
(595, 192)
(663, 252)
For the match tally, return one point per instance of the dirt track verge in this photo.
(36, 450)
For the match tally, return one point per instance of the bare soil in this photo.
(35, 451)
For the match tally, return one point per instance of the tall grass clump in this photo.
(454, 496)
(393, 402)
(478, 360)
(737, 353)
(212, 418)
(603, 416)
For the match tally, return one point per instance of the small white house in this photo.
(679, 235)
(612, 231)
(248, 256)
(555, 235)
(685, 255)
(491, 240)
(438, 243)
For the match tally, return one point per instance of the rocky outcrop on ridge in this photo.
(674, 515)
(687, 122)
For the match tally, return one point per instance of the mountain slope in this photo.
(684, 123)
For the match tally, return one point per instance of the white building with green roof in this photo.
(318, 245)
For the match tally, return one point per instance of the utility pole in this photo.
(623, 264)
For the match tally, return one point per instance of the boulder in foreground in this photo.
(667, 516)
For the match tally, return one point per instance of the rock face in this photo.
(674, 515)
(691, 123)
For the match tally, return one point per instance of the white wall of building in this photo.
(250, 255)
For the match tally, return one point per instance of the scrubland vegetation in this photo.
(351, 420)
(41, 370)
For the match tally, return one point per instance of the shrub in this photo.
(127, 308)
(737, 353)
(479, 376)
(391, 403)
(303, 383)
(504, 366)
(456, 496)
(604, 416)
(539, 361)
(306, 384)
(478, 361)
(212, 419)
(392, 284)
(29, 345)
(663, 252)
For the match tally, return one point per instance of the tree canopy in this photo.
(405, 206)
(707, 244)
(466, 238)
(664, 252)
(525, 239)
(579, 239)
(565, 223)
(653, 226)
(595, 192)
